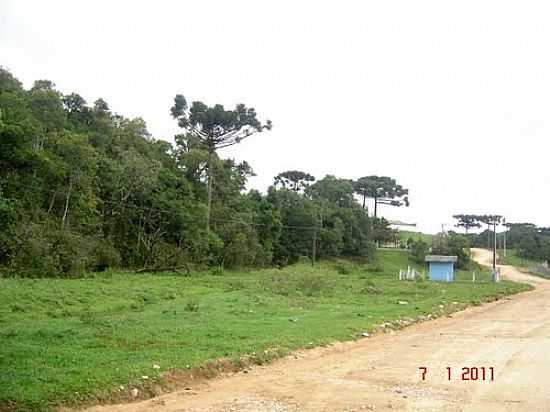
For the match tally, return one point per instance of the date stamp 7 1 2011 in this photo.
(467, 373)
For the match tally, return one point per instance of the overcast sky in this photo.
(450, 98)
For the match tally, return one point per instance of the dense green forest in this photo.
(85, 189)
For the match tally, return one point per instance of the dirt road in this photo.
(382, 373)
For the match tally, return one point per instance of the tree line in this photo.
(529, 240)
(85, 189)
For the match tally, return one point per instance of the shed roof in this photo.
(438, 258)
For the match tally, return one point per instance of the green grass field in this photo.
(75, 341)
(513, 259)
(406, 234)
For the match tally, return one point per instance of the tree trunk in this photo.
(52, 202)
(209, 191)
(375, 207)
(495, 246)
(67, 198)
(364, 201)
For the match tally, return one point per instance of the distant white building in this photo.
(398, 224)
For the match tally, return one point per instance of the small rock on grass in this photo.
(134, 392)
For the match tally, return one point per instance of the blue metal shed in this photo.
(441, 268)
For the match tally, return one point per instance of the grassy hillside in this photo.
(534, 267)
(76, 341)
(513, 259)
(406, 234)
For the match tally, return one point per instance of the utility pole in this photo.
(495, 246)
(505, 230)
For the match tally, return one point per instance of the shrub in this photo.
(105, 255)
(166, 256)
(419, 249)
(42, 251)
(453, 244)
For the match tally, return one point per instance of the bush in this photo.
(453, 244)
(419, 250)
(242, 250)
(104, 256)
(40, 250)
(166, 256)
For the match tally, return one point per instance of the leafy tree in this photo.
(78, 113)
(383, 189)
(216, 128)
(8, 83)
(467, 221)
(382, 232)
(419, 249)
(47, 108)
(338, 192)
(299, 222)
(294, 180)
(453, 244)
